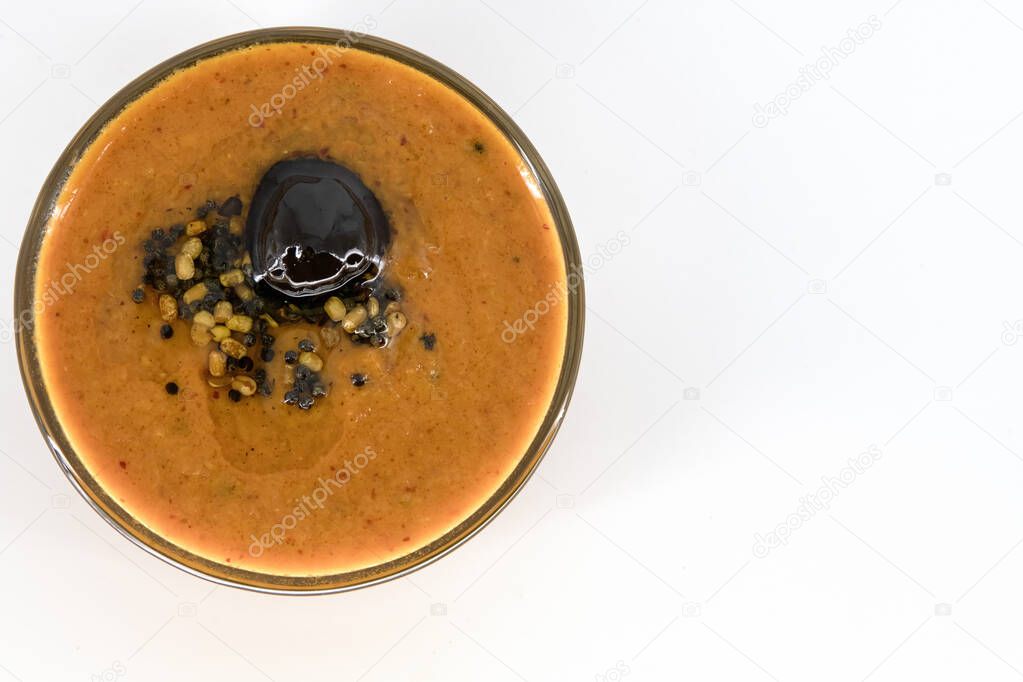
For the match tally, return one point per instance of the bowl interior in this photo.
(124, 522)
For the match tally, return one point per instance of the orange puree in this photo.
(431, 434)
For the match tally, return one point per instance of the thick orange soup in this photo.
(304, 335)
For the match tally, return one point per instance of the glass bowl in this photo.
(49, 421)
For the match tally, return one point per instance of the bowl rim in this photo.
(123, 521)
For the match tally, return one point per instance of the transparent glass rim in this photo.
(123, 521)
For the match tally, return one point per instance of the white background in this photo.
(846, 277)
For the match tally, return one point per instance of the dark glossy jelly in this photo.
(315, 228)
